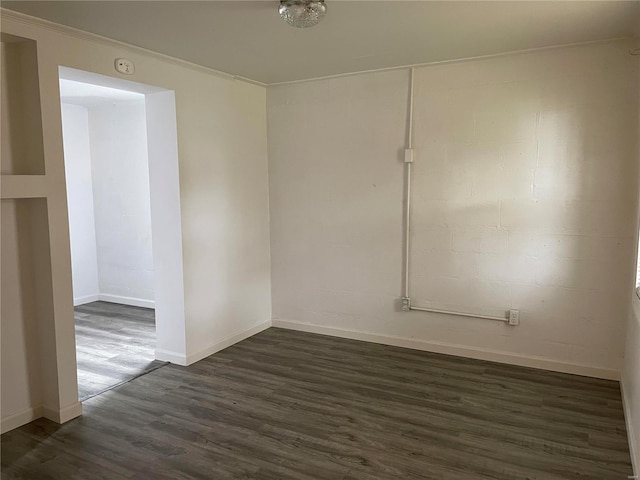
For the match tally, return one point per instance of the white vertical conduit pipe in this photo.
(408, 160)
(407, 203)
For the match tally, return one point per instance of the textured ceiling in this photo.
(249, 39)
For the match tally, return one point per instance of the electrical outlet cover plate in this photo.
(125, 66)
(514, 317)
(406, 304)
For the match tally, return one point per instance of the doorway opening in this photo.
(119, 138)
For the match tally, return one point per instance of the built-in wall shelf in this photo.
(36, 314)
(22, 151)
(23, 186)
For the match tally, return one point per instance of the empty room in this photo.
(320, 239)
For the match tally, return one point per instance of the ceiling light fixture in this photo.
(302, 13)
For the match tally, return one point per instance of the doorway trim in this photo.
(166, 220)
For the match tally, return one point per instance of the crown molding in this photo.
(92, 37)
(88, 36)
(453, 60)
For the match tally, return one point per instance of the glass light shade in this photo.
(302, 13)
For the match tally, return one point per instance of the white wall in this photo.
(77, 162)
(121, 198)
(20, 359)
(28, 336)
(107, 171)
(166, 221)
(630, 381)
(524, 196)
(223, 193)
(35, 380)
(225, 218)
(631, 384)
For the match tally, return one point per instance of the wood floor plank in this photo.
(293, 405)
(114, 344)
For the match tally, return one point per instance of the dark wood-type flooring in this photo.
(291, 405)
(114, 344)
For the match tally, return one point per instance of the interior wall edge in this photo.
(93, 37)
(172, 357)
(64, 414)
(58, 415)
(186, 360)
(455, 350)
(634, 446)
(227, 342)
(630, 383)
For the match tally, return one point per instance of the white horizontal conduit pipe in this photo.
(460, 314)
(408, 160)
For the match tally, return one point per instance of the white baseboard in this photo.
(30, 414)
(227, 342)
(634, 446)
(21, 418)
(185, 360)
(134, 302)
(457, 350)
(62, 415)
(85, 299)
(171, 357)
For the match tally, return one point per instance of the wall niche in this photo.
(22, 151)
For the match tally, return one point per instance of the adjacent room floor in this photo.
(292, 405)
(114, 344)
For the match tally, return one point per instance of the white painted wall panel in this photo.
(225, 222)
(524, 197)
(77, 162)
(631, 370)
(631, 383)
(21, 372)
(120, 169)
